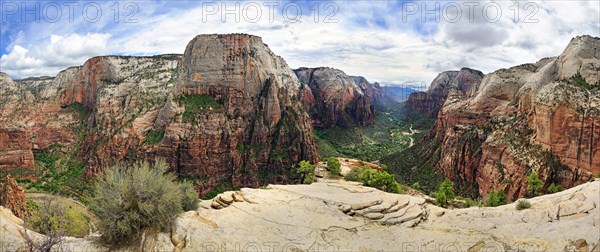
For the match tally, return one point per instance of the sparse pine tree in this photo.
(534, 184)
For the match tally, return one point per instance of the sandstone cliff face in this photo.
(532, 117)
(449, 83)
(257, 128)
(335, 99)
(114, 109)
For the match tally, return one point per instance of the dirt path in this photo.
(412, 132)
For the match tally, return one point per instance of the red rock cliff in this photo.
(534, 117)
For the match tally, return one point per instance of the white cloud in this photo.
(371, 39)
(54, 54)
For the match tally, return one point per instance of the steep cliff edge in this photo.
(227, 112)
(449, 83)
(248, 128)
(540, 117)
(335, 99)
(345, 217)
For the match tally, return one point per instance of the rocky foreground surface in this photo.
(340, 216)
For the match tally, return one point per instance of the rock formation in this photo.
(12, 197)
(539, 117)
(333, 98)
(257, 129)
(226, 112)
(344, 217)
(449, 83)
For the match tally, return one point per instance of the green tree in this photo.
(306, 170)
(441, 198)
(447, 189)
(374, 178)
(553, 188)
(534, 184)
(496, 198)
(130, 200)
(416, 186)
(334, 166)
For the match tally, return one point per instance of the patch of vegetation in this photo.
(445, 193)
(534, 184)
(82, 113)
(387, 134)
(554, 188)
(52, 218)
(60, 173)
(113, 82)
(306, 171)
(334, 166)
(198, 104)
(523, 204)
(496, 198)
(374, 178)
(417, 164)
(154, 136)
(132, 200)
(578, 80)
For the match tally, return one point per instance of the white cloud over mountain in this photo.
(376, 39)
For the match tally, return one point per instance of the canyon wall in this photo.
(541, 117)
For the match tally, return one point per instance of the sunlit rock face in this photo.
(532, 117)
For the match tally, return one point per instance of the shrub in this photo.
(523, 204)
(307, 170)
(154, 136)
(441, 198)
(416, 186)
(131, 200)
(54, 219)
(534, 184)
(189, 197)
(495, 199)
(470, 202)
(334, 166)
(553, 188)
(198, 104)
(447, 188)
(374, 178)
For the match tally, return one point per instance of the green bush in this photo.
(189, 200)
(534, 184)
(52, 218)
(416, 186)
(334, 166)
(523, 204)
(374, 178)
(441, 199)
(307, 170)
(198, 104)
(496, 198)
(553, 188)
(447, 189)
(130, 200)
(154, 136)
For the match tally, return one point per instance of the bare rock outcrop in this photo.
(345, 217)
(539, 117)
(228, 112)
(333, 98)
(254, 131)
(449, 83)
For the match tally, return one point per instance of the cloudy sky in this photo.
(386, 41)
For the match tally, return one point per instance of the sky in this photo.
(384, 41)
